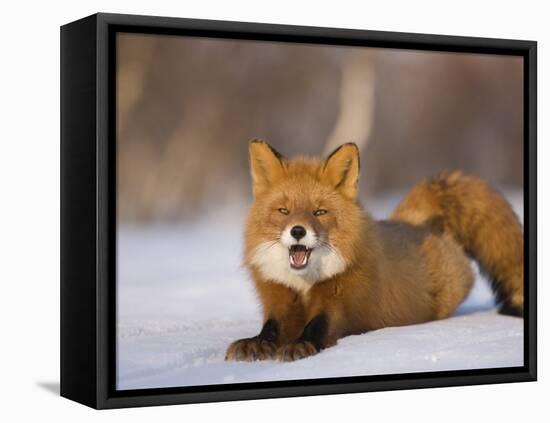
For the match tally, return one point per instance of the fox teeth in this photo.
(300, 265)
(294, 263)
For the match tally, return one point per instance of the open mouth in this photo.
(299, 256)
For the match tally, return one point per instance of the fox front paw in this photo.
(251, 349)
(296, 351)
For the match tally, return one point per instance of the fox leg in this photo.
(312, 340)
(260, 347)
(325, 324)
(284, 319)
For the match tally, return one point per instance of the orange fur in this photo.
(365, 274)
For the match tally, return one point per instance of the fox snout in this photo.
(300, 242)
(299, 234)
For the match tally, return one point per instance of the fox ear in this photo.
(341, 170)
(266, 165)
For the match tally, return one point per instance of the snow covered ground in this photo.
(182, 297)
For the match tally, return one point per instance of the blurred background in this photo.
(187, 108)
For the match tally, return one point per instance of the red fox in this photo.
(324, 268)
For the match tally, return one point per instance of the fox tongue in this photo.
(299, 257)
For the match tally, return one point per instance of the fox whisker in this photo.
(327, 245)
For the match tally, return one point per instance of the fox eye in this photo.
(319, 212)
(283, 210)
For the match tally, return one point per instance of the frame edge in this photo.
(78, 212)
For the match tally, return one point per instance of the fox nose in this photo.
(298, 232)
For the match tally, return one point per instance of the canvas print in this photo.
(291, 211)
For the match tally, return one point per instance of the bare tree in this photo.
(356, 111)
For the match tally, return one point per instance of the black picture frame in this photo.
(88, 215)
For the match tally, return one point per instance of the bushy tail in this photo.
(481, 221)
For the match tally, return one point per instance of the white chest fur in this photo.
(272, 260)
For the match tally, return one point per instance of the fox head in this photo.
(304, 224)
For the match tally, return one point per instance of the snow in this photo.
(183, 296)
